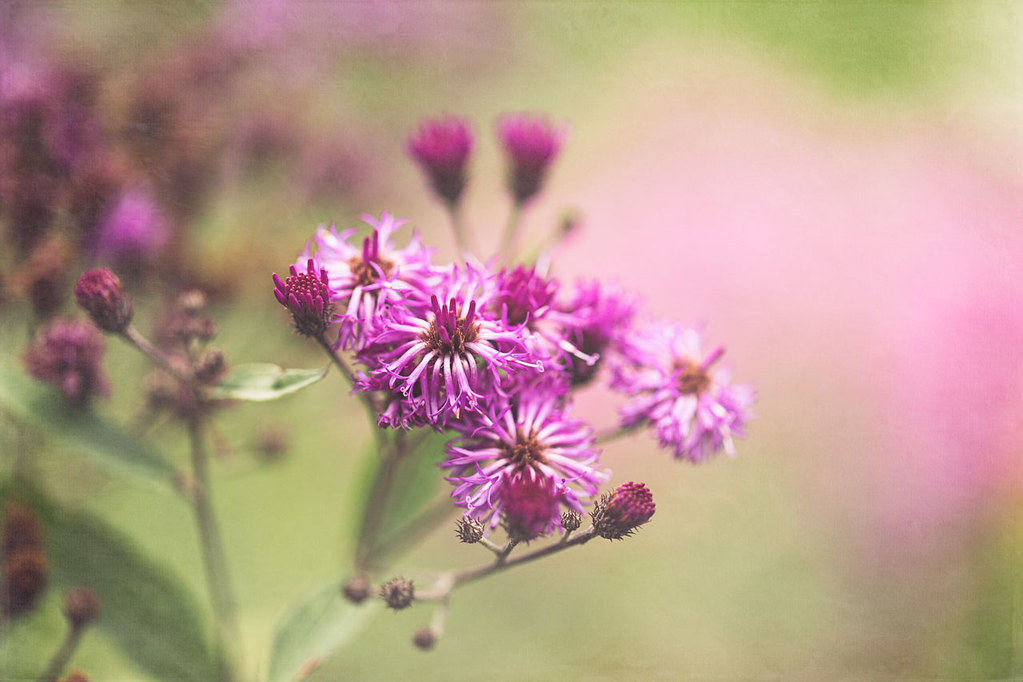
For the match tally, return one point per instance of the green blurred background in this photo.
(833, 187)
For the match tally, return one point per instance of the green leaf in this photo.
(83, 429)
(263, 381)
(316, 627)
(145, 612)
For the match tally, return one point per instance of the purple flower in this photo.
(307, 296)
(676, 389)
(620, 513)
(441, 147)
(68, 354)
(447, 357)
(597, 318)
(531, 144)
(133, 232)
(366, 278)
(523, 445)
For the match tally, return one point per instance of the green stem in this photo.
(132, 336)
(458, 228)
(63, 654)
(214, 560)
(368, 548)
(511, 230)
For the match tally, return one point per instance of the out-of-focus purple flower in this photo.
(365, 279)
(307, 296)
(620, 513)
(441, 147)
(134, 231)
(531, 144)
(99, 293)
(597, 317)
(447, 357)
(68, 354)
(675, 388)
(530, 506)
(524, 437)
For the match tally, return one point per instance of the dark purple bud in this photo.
(442, 147)
(100, 294)
(618, 514)
(81, 607)
(307, 296)
(531, 144)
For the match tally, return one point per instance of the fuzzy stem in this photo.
(214, 560)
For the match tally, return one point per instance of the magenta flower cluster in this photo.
(492, 355)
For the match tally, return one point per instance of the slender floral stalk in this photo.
(132, 336)
(458, 228)
(449, 581)
(214, 559)
(511, 230)
(62, 655)
(368, 549)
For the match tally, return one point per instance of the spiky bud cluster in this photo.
(398, 593)
(620, 513)
(571, 521)
(100, 294)
(469, 530)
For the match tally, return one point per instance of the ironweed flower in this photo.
(449, 357)
(676, 389)
(134, 231)
(531, 144)
(307, 296)
(68, 354)
(597, 317)
(523, 438)
(620, 513)
(366, 278)
(441, 147)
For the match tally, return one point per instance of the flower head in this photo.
(531, 144)
(446, 358)
(133, 232)
(307, 296)
(620, 513)
(675, 388)
(99, 292)
(523, 459)
(441, 147)
(597, 318)
(68, 354)
(367, 277)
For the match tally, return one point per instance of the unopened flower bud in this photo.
(469, 530)
(81, 607)
(618, 514)
(356, 590)
(23, 580)
(441, 147)
(571, 520)
(531, 144)
(307, 296)
(424, 639)
(210, 366)
(398, 593)
(100, 294)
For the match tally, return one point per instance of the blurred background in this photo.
(833, 190)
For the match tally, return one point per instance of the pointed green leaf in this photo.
(83, 429)
(264, 381)
(316, 627)
(144, 610)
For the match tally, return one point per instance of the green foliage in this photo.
(84, 430)
(145, 611)
(263, 381)
(317, 626)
